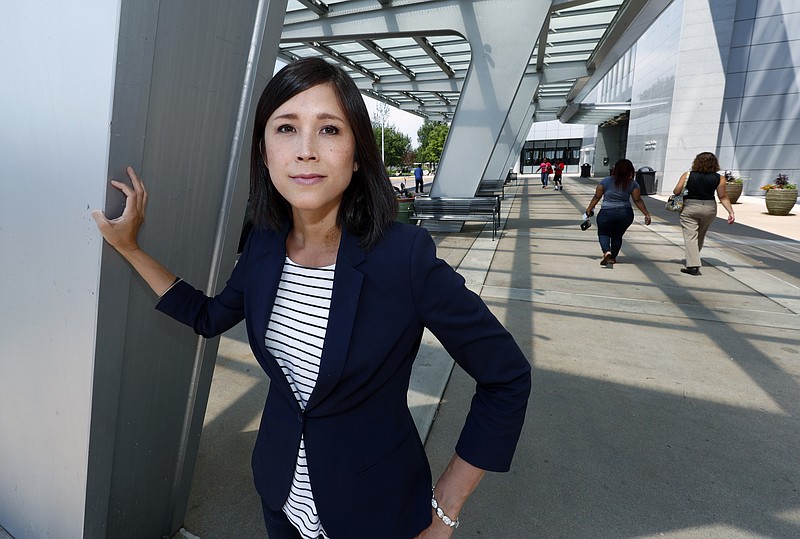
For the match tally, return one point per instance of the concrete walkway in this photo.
(664, 405)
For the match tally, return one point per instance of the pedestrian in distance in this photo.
(545, 169)
(558, 171)
(335, 295)
(419, 186)
(616, 213)
(699, 206)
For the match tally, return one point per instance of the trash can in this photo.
(405, 207)
(646, 178)
(586, 170)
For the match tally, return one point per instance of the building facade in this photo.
(708, 75)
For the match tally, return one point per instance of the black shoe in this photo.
(692, 270)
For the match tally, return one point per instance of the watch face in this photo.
(586, 224)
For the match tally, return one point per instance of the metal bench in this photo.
(483, 209)
(491, 188)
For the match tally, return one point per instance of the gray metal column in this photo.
(522, 134)
(509, 137)
(102, 398)
(502, 43)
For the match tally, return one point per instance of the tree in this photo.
(396, 144)
(431, 141)
(424, 132)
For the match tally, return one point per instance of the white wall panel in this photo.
(774, 107)
(775, 81)
(760, 119)
(756, 133)
(57, 60)
(768, 8)
(774, 55)
(738, 60)
(700, 84)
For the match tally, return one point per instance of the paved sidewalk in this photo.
(664, 405)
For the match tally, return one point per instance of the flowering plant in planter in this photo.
(781, 195)
(781, 182)
(730, 178)
(733, 186)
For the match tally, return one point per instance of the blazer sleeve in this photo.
(477, 341)
(208, 316)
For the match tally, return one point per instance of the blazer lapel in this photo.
(266, 265)
(341, 318)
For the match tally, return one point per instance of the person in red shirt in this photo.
(545, 168)
(558, 170)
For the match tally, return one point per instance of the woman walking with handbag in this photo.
(699, 205)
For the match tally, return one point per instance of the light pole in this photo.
(383, 114)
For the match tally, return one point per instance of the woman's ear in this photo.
(355, 166)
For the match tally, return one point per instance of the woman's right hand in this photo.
(121, 233)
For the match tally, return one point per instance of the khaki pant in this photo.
(696, 217)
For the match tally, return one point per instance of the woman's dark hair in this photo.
(369, 204)
(705, 162)
(623, 174)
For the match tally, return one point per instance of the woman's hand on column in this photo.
(121, 233)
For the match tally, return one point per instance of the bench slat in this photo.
(483, 209)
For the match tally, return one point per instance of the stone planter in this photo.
(734, 191)
(781, 201)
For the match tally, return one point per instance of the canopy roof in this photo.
(570, 47)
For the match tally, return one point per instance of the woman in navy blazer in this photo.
(321, 198)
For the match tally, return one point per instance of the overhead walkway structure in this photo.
(490, 69)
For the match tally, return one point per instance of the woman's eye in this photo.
(285, 128)
(330, 130)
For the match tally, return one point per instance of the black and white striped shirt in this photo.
(295, 335)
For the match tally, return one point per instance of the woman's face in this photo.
(310, 152)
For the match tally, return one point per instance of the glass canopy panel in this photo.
(347, 47)
(396, 42)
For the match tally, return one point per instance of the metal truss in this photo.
(423, 74)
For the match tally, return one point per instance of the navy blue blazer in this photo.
(366, 461)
